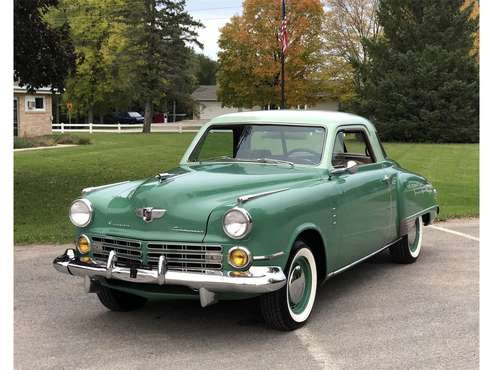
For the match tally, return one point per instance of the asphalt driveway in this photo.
(377, 315)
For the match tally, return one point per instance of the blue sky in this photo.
(213, 14)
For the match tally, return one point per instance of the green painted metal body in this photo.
(353, 214)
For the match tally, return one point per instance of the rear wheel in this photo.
(409, 248)
(289, 307)
(116, 300)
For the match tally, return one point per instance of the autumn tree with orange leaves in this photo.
(249, 60)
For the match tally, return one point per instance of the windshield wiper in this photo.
(271, 160)
(220, 158)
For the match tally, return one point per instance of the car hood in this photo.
(188, 194)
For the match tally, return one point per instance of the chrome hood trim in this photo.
(92, 188)
(246, 198)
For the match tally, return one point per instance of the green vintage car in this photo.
(267, 204)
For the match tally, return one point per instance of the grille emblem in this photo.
(148, 214)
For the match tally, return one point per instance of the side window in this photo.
(217, 143)
(352, 145)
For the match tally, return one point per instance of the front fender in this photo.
(278, 219)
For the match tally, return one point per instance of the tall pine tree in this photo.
(421, 82)
(157, 55)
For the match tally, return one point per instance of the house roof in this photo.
(205, 93)
(23, 90)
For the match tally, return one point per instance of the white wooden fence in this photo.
(178, 127)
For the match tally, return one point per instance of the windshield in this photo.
(134, 114)
(261, 143)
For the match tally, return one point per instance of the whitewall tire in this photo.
(409, 248)
(290, 307)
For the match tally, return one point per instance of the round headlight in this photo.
(237, 223)
(239, 257)
(81, 212)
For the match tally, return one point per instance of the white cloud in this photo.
(209, 35)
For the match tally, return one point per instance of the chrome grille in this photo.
(186, 257)
(127, 250)
(179, 256)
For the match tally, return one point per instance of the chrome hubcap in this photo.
(296, 285)
(412, 236)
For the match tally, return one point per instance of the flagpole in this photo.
(283, 96)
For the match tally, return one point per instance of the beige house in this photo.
(32, 112)
(208, 106)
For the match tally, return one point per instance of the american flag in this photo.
(283, 34)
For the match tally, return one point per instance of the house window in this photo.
(35, 104)
(39, 103)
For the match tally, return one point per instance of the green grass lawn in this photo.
(46, 181)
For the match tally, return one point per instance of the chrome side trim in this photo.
(342, 269)
(406, 222)
(268, 257)
(246, 198)
(421, 212)
(92, 188)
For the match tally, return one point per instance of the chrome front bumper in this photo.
(260, 279)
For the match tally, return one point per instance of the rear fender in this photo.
(416, 197)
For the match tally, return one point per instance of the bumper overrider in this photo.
(258, 279)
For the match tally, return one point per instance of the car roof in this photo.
(323, 118)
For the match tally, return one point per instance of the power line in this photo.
(89, 16)
(207, 9)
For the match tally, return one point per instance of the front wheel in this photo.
(289, 307)
(409, 248)
(116, 300)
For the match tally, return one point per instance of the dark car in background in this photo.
(125, 118)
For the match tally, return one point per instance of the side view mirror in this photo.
(351, 167)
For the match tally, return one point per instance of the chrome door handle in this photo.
(386, 178)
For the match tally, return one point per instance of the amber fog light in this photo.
(239, 257)
(83, 244)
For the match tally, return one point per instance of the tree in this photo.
(43, 55)
(421, 82)
(474, 15)
(346, 24)
(249, 60)
(205, 69)
(97, 79)
(156, 56)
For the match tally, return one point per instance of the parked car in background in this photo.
(125, 118)
(268, 204)
(160, 117)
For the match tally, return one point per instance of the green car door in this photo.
(366, 208)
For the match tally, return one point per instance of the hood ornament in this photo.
(148, 214)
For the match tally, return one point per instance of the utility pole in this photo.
(283, 48)
(174, 111)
